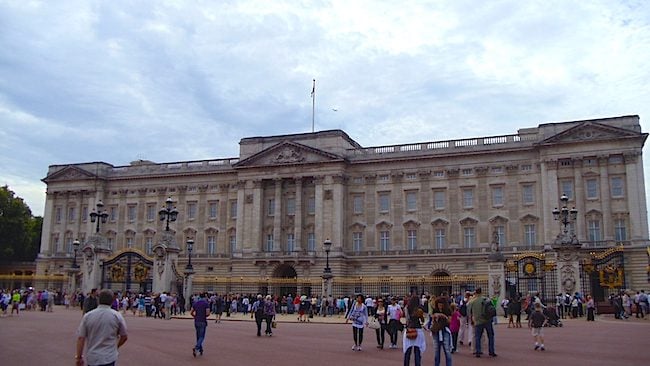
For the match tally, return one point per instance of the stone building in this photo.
(421, 210)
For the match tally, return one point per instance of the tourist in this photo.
(381, 314)
(15, 302)
(454, 327)
(394, 316)
(465, 332)
(413, 340)
(359, 316)
(200, 312)
(90, 302)
(269, 314)
(480, 320)
(258, 311)
(440, 330)
(590, 308)
(101, 332)
(536, 321)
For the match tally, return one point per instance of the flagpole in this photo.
(313, 104)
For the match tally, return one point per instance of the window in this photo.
(311, 242)
(466, 172)
(57, 215)
(565, 162)
(411, 176)
(383, 268)
(233, 209)
(212, 245)
(129, 242)
(411, 201)
(213, 209)
(232, 240)
(439, 200)
(84, 213)
(592, 188)
(412, 239)
(566, 187)
(440, 238)
(291, 206)
(617, 187)
(497, 196)
(501, 235)
(527, 194)
(469, 235)
(109, 243)
(68, 244)
(71, 213)
(131, 213)
(468, 197)
(384, 178)
(357, 241)
(357, 203)
(191, 210)
(311, 205)
(151, 212)
(497, 169)
(269, 242)
(148, 243)
(439, 173)
(384, 202)
(620, 232)
(530, 237)
(270, 207)
(291, 243)
(526, 167)
(616, 159)
(384, 240)
(593, 230)
(112, 213)
(55, 243)
(357, 180)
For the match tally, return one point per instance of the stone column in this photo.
(568, 267)
(549, 199)
(165, 256)
(187, 292)
(277, 217)
(635, 196)
(93, 253)
(338, 214)
(605, 199)
(297, 226)
(497, 275)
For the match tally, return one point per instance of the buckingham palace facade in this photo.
(416, 210)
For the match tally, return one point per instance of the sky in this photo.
(167, 81)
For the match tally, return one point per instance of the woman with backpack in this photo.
(413, 339)
(440, 330)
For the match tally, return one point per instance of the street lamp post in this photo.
(190, 246)
(565, 216)
(168, 213)
(327, 245)
(100, 215)
(75, 245)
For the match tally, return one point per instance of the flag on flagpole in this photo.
(313, 89)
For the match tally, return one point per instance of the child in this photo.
(536, 321)
(454, 327)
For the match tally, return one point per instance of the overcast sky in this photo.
(117, 81)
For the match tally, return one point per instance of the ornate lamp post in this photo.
(99, 215)
(189, 271)
(327, 245)
(190, 246)
(565, 216)
(169, 213)
(75, 246)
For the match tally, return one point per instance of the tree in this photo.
(20, 232)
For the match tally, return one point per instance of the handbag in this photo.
(274, 324)
(373, 323)
(411, 333)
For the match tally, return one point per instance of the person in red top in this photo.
(454, 327)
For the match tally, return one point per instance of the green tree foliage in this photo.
(20, 232)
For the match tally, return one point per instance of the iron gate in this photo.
(530, 273)
(603, 274)
(129, 271)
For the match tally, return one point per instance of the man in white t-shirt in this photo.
(369, 304)
(394, 315)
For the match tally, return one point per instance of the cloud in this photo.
(172, 81)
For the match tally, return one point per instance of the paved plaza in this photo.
(41, 338)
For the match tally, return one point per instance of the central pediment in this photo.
(289, 153)
(590, 131)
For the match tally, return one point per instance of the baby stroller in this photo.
(553, 318)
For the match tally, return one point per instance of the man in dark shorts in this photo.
(200, 312)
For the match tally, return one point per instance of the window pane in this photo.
(439, 200)
(291, 206)
(567, 188)
(358, 204)
(411, 201)
(497, 196)
(469, 237)
(440, 238)
(528, 196)
(617, 187)
(311, 242)
(384, 202)
(357, 241)
(468, 198)
(592, 188)
(411, 239)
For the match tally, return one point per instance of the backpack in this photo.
(488, 309)
(463, 308)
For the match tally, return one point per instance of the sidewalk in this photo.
(280, 318)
